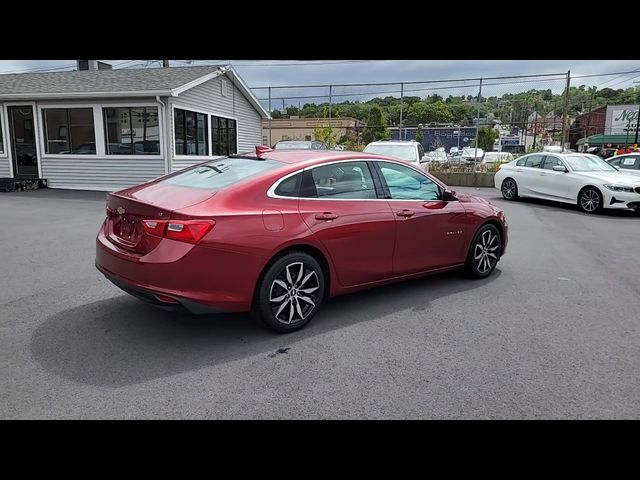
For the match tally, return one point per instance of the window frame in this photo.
(209, 114)
(43, 131)
(544, 162)
(387, 192)
(4, 136)
(381, 188)
(105, 138)
(98, 123)
(235, 128)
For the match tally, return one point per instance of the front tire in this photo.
(509, 189)
(484, 252)
(590, 200)
(290, 293)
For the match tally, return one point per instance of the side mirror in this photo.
(560, 168)
(448, 196)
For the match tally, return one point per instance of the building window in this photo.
(190, 129)
(69, 131)
(131, 130)
(223, 136)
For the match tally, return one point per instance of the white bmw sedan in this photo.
(577, 178)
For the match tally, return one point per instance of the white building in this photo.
(109, 129)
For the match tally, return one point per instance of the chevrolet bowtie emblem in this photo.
(120, 210)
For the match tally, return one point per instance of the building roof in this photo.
(143, 82)
(601, 139)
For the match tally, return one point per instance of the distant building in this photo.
(296, 128)
(103, 129)
(618, 120)
(436, 137)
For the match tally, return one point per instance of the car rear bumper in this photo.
(200, 279)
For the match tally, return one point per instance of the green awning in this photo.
(600, 139)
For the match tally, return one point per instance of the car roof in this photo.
(318, 156)
(393, 142)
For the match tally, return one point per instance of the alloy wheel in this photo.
(294, 293)
(590, 200)
(485, 252)
(509, 189)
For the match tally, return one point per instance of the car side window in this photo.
(521, 162)
(289, 187)
(631, 162)
(406, 184)
(534, 161)
(550, 162)
(345, 180)
(420, 151)
(615, 162)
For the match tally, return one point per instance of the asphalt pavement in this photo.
(553, 333)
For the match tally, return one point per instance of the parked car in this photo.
(471, 155)
(578, 178)
(278, 234)
(409, 151)
(299, 145)
(491, 158)
(437, 156)
(629, 163)
(456, 158)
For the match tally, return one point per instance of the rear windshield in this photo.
(221, 173)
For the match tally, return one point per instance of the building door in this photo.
(22, 135)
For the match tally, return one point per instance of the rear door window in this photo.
(534, 161)
(345, 180)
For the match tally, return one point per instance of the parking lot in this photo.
(554, 333)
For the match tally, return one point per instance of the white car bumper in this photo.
(620, 200)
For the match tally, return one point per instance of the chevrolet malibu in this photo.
(279, 232)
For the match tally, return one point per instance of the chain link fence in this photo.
(512, 114)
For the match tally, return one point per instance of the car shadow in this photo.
(122, 341)
(551, 205)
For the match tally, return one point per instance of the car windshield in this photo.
(221, 173)
(403, 152)
(588, 163)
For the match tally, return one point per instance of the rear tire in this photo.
(290, 293)
(484, 252)
(509, 189)
(590, 200)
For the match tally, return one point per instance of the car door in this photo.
(551, 183)
(339, 203)
(529, 181)
(430, 231)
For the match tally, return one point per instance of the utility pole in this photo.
(475, 154)
(637, 118)
(401, 105)
(566, 105)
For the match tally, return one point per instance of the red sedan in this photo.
(278, 233)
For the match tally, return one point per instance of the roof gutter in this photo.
(57, 96)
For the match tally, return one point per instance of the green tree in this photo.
(376, 128)
(324, 133)
(276, 114)
(420, 135)
(486, 137)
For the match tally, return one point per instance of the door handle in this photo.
(405, 213)
(543, 174)
(518, 170)
(326, 216)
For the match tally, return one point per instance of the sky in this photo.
(277, 73)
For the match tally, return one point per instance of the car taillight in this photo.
(154, 227)
(190, 231)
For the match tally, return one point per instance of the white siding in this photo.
(4, 167)
(207, 97)
(99, 173)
